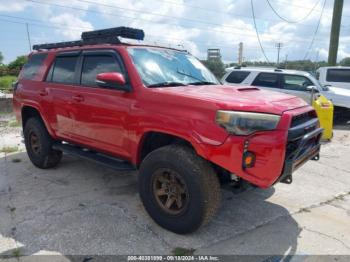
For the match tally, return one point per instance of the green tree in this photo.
(216, 66)
(15, 66)
(1, 58)
(345, 61)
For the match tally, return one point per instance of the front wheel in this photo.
(179, 190)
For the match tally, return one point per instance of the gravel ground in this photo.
(80, 208)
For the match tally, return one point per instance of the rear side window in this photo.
(63, 70)
(338, 75)
(266, 80)
(31, 68)
(237, 77)
(96, 64)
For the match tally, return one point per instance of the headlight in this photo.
(246, 123)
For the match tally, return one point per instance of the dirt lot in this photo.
(82, 208)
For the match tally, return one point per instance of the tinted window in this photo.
(237, 76)
(32, 66)
(338, 75)
(267, 80)
(94, 65)
(294, 82)
(64, 69)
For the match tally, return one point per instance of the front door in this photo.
(297, 85)
(101, 113)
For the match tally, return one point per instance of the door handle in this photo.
(78, 98)
(43, 92)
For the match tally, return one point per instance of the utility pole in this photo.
(334, 40)
(278, 46)
(28, 36)
(285, 61)
(240, 53)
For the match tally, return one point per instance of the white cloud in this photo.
(72, 23)
(13, 6)
(198, 25)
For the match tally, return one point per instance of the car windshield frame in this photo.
(317, 83)
(159, 67)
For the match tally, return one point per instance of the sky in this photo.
(191, 24)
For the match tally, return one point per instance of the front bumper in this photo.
(300, 150)
(278, 153)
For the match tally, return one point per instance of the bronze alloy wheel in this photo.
(35, 144)
(170, 191)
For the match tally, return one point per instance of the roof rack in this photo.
(103, 36)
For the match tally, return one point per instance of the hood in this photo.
(339, 96)
(338, 91)
(241, 98)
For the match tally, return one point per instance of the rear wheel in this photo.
(38, 143)
(179, 189)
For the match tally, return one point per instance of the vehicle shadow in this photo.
(342, 121)
(82, 208)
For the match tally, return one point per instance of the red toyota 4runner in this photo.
(159, 110)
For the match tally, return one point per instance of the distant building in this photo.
(213, 54)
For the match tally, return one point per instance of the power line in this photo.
(257, 32)
(289, 21)
(316, 31)
(150, 20)
(157, 37)
(182, 4)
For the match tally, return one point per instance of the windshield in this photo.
(165, 67)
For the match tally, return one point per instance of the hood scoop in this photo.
(247, 89)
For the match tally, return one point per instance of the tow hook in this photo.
(316, 158)
(287, 180)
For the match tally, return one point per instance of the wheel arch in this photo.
(28, 111)
(153, 140)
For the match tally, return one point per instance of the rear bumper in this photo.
(308, 147)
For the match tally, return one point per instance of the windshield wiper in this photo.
(189, 75)
(202, 83)
(165, 84)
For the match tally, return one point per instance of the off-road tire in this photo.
(202, 184)
(46, 157)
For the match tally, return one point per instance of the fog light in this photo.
(248, 159)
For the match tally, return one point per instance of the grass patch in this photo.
(180, 251)
(13, 123)
(16, 253)
(6, 83)
(9, 149)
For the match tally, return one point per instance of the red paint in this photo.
(115, 122)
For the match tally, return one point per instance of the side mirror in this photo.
(312, 89)
(112, 80)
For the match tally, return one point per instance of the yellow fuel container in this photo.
(324, 109)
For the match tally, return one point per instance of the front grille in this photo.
(301, 125)
(302, 118)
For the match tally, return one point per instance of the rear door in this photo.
(101, 113)
(270, 81)
(60, 82)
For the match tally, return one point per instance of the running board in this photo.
(108, 161)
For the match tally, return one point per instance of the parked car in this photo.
(338, 76)
(298, 83)
(160, 111)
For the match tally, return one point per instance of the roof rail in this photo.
(103, 36)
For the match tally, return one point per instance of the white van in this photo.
(338, 76)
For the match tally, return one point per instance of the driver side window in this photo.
(297, 83)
